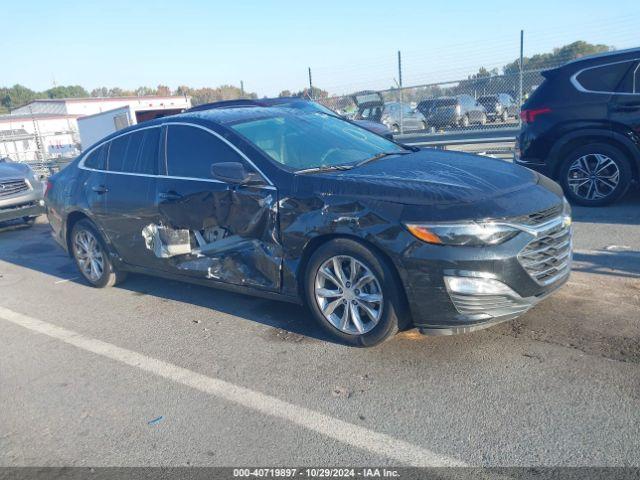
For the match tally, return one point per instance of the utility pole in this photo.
(400, 90)
(241, 89)
(521, 66)
(310, 85)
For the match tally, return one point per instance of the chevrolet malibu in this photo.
(374, 237)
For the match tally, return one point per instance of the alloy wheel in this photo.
(89, 255)
(348, 295)
(593, 176)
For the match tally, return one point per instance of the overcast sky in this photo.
(269, 44)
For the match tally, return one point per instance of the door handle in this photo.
(99, 189)
(628, 107)
(170, 195)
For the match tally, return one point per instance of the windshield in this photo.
(303, 140)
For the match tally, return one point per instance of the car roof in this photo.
(605, 57)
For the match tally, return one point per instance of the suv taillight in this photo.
(48, 187)
(529, 115)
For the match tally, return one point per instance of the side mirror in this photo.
(234, 172)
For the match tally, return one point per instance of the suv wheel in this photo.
(596, 174)
(464, 121)
(91, 256)
(505, 116)
(353, 293)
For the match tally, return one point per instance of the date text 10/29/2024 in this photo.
(316, 472)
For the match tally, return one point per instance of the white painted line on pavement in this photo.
(65, 280)
(345, 432)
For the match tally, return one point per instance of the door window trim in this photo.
(82, 166)
(578, 86)
(220, 137)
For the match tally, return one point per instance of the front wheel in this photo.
(353, 293)
(596, 174)
(91, 256)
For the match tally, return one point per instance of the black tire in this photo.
(483, 119)
(579, 195)
(464, 121)
(394, 314)
(505, 116)
(110, 276)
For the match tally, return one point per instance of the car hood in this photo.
(13, 170)
(446, 180)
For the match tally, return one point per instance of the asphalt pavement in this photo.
(155, 372)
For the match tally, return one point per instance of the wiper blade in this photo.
(324, 168)
(379, 156)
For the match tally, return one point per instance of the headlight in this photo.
(471, 234)
(566, 213)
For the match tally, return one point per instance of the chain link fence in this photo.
(471, 104)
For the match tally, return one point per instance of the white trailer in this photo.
(93, 128)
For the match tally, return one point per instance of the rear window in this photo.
(631, 81)
(97, 159)
(603, 79)
(445, 102)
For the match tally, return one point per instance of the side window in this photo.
(124, 151)
(147, 159)
(98, 158)
(604, 79)
(631, 81)
(191, 151)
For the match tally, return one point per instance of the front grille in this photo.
(19, 206)
(538, 218)
(11, 187)
(547, 258)
(487, 305)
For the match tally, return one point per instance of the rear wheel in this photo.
(353, 294)
(464, 121)
(596, 174)
(91, 256)
(483, 119)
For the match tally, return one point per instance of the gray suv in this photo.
(21, 193)
(459, 111)
(395, 113)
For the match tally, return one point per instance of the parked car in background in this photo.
(459, 111)
(500, 107)
(581, 126)
(396, 114)
(301, 205)
(301, 104)
(21, 192)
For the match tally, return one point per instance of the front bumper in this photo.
(27, 209)
(522, 267)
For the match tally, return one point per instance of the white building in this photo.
(48, 128)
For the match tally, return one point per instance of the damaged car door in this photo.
(129, 192)
(210, 226)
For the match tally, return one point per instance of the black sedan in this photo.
(303, 206)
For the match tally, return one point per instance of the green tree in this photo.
(557, 57)
(66, 91)
(100, 92)
(16, 96)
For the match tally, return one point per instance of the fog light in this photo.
(477, 286)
